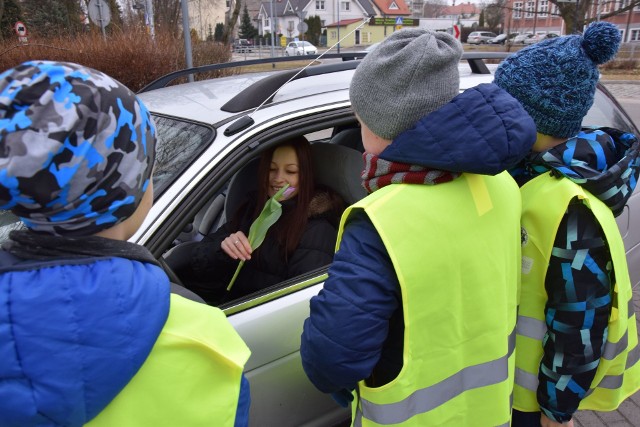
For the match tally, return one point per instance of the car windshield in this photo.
(304, 44)
(179, 143)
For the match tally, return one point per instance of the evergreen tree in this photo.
(218, 32)
(115, 24)
(247, 30)
(50, 18)
(314, 30)
(10, 15)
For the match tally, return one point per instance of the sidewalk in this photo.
(628, 414)
(623, 88)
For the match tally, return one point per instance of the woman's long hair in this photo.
(289, 228)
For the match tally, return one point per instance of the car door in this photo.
(270, 321)
(607, 112)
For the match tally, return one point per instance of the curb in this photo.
(621, 82)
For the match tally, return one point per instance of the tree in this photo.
(116, 15)
(247, 30)
(576, 20)
(434, 8)
(315, 29)
(167, 16)
(231, 22)
(494, 15)
(10, 13)
(116, 21)
(50, 18)
(218, 32)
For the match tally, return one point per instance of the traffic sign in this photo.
(398, 23)
(99, 13)
(456, 32)
(20, 29)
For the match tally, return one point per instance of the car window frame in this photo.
(281, 128)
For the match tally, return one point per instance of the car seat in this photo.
(349, 137)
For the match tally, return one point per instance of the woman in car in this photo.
(301, 240)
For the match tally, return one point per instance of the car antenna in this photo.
(246, 121)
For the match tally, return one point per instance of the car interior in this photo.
(337, 163)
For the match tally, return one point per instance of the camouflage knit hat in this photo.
(76, 148)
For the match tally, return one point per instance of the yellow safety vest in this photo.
(191, 377)
(455, 248)
(545, 201)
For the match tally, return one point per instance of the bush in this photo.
(133, 58)
(621, 64)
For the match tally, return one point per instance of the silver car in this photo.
(300, 48)
(211, 132)
(480, 37)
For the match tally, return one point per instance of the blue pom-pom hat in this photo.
(555, 80)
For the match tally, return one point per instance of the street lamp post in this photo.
(271, 27)
(186, 32)
(338, 1)
(149, 7)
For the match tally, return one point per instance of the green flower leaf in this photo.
(258, 230)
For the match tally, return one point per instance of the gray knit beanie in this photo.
(409, 75)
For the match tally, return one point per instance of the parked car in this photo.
(502, 38)
(539, 37)
(300, 48)
(519, 39)
(480, 37)
(499, 39)
(242, 45)
(211, 133)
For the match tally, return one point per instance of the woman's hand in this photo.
(237, 246)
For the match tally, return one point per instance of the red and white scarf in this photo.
(379, 173)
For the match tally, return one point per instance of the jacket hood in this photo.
(73, 334)
(604, 161)
(483, 130)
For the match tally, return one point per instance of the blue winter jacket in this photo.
(74, 332)
(356, 331)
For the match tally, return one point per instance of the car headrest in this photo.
(339, 168)
(334, 166)
(350, 137)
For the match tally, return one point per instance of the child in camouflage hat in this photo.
(88, 324)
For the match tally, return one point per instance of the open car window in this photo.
(214, 212)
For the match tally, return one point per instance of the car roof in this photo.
(216, 101)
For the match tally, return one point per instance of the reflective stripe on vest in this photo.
(545, 200)
(191, 377)
(426, 399)
(458, 355)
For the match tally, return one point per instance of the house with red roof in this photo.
(344, 20)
